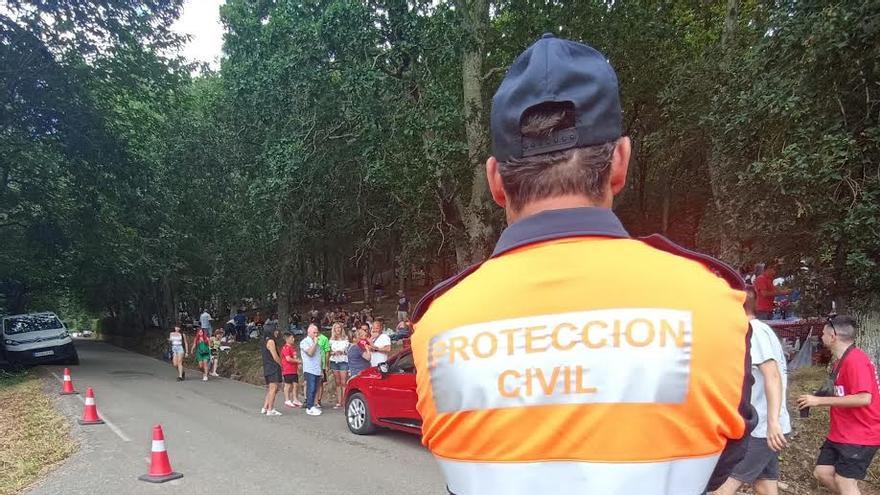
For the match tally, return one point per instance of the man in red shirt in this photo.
(766, 292)
(854, 435)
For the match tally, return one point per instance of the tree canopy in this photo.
(342, 142)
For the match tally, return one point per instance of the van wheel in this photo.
(357, 415)
(73, 360)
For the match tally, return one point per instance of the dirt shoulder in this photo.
(35, 436)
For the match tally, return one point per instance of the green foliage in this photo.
(331, 146)
(797, 125)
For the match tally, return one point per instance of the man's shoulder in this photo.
(759, 326)
(857, 358)
(715, 266)
(422, 306)
(763, 280)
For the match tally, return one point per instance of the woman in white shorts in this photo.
(179, 350)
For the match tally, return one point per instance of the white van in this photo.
(37, 338)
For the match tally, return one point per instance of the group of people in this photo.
(354, 319)
(205, 347)
(854, 433)
(343, 355)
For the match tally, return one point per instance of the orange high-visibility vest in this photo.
(579, 360)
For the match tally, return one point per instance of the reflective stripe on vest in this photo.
(679, 477)
(637, 355)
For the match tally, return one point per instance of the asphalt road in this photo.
(216, 437)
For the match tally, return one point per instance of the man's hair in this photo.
(751, 296)
(583, 171)
(845, 327)
(380, 320)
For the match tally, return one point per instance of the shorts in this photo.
(288, 379)
(334, 366)
(849, 461)
(177, 349)
(759, 463)
(273, 377)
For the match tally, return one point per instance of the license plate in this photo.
(43, 353)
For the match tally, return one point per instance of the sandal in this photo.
(337, 406)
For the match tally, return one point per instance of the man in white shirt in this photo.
(380, 343)
(311, 365)
(760, 466)
(205, 321)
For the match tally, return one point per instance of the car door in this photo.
(398, 392)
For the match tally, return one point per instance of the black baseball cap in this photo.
(555, 70)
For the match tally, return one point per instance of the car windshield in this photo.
(30, 323)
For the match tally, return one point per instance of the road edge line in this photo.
(107, 421)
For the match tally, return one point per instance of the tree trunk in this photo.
(665, 219)
(401, 274)
(283, 307)
(730, 20)
(715, 159)
(476, 216)
(168, 316)
(365, 281)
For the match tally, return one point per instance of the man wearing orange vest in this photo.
(577, 359)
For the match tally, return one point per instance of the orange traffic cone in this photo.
(67, 384)
(90, 411)
(160, 466)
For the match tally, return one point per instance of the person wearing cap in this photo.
(577, 359)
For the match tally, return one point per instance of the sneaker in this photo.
(180, 378)
(297, 403)
(313, 411)
(287, 403)
(272, 412)
(214, 374)
(205, 378)
(263, 410)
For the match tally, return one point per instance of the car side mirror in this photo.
(383, 369)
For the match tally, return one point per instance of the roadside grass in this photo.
(35, 436)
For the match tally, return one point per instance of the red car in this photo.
(384, 396)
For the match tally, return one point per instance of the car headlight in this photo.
(10, 342)
(64, 335)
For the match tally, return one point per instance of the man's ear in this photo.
(496, 186)
(620, 164)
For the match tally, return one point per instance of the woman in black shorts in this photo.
(271, 371)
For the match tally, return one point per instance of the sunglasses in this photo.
(830, 322)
